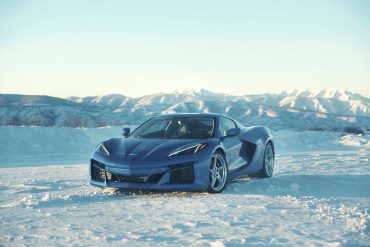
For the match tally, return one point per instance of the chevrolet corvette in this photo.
(183, 152)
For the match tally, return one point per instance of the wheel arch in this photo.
(272, 145)
(220, 150)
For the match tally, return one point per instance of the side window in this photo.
(225, 125)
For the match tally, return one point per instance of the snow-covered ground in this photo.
(318, 196)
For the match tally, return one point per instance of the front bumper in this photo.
(186, 176)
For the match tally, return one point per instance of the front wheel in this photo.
(268, 162)
(218, 173)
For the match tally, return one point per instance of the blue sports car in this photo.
(192, 152)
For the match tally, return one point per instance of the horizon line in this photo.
(192, 90)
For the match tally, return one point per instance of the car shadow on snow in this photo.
(156, 193)
(303, 185)
(296, 185)
(324, 186)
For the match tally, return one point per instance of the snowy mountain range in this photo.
(296, 109)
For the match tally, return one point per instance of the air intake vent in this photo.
(97, 171)
(182, 175)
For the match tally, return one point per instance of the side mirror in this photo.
(125, 131)
(232, 132)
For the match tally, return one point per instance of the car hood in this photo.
(132, 149)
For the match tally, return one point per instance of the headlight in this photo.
(190, 150)
(102, 149)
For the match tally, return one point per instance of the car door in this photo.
(232, 144)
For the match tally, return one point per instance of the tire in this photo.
(268, 162)
(218, 173)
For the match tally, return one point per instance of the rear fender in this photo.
(258, 136)
(255, 133)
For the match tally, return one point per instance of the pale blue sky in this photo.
(65, 48)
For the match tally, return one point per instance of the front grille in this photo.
(182, 173)
(151, 179)
(99, 174)
(131, 179)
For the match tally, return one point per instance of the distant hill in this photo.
(305, 109)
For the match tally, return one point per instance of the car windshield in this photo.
(176, 128)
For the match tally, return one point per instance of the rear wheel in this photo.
(218, 173)
(268, 162)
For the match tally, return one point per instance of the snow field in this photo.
(312, 200)
(318, 196)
